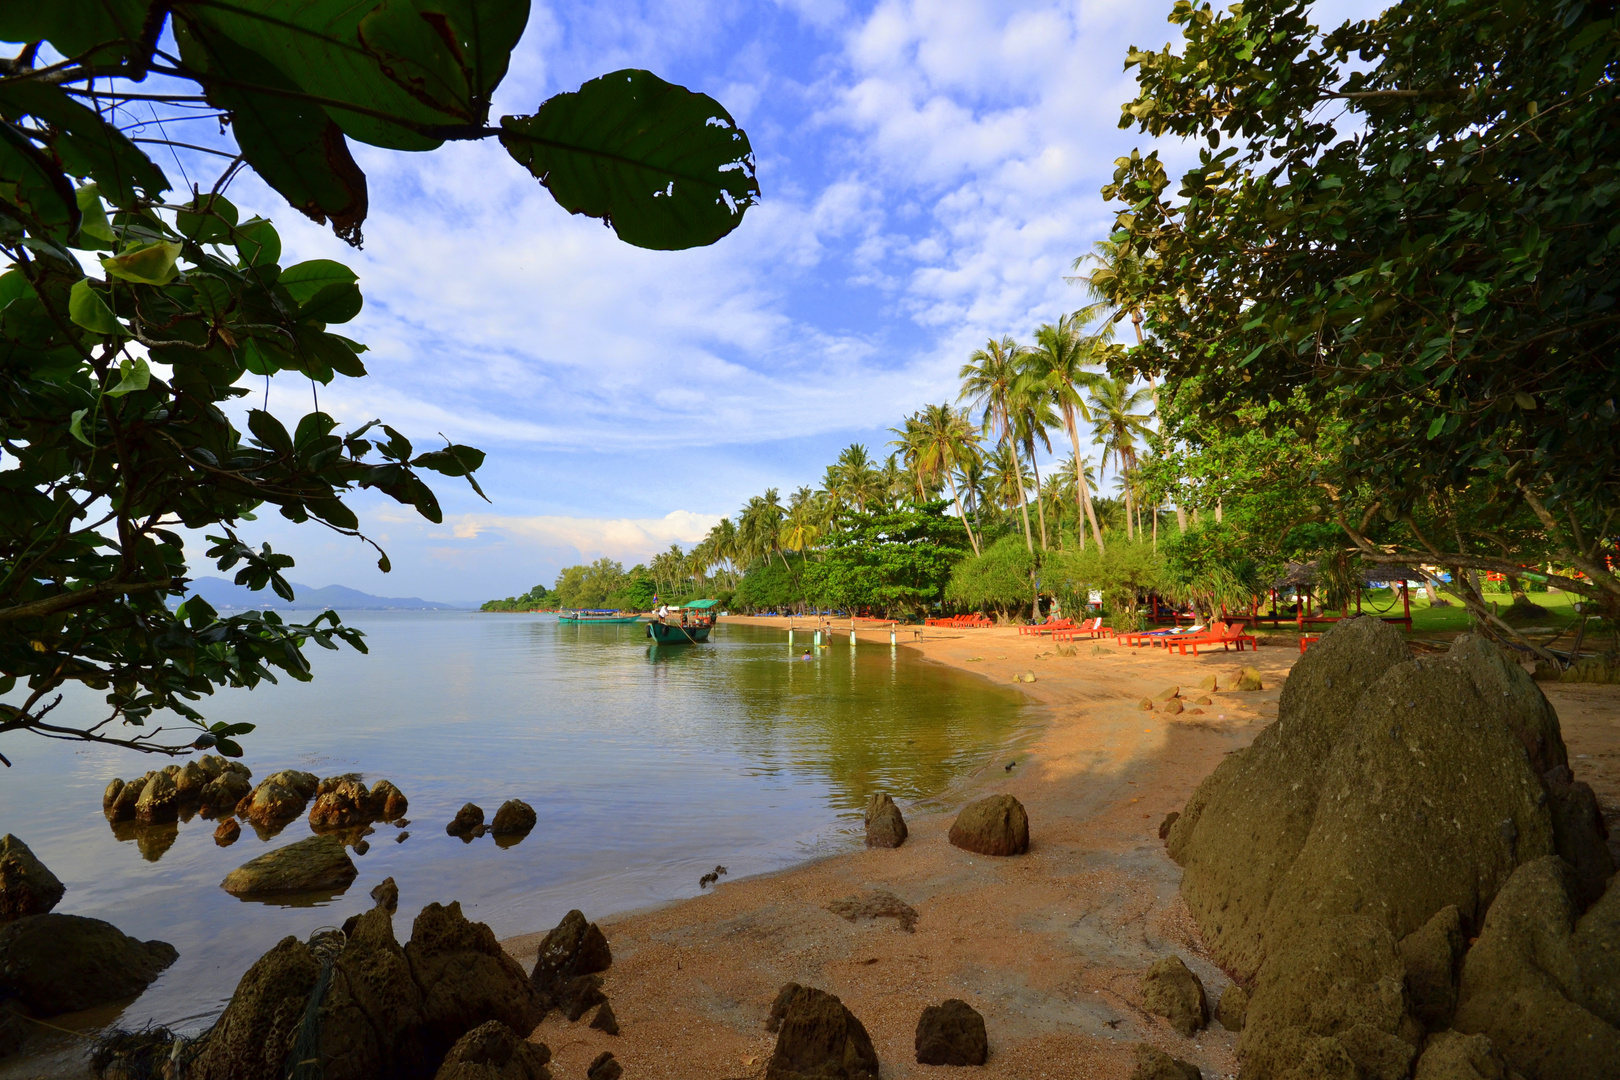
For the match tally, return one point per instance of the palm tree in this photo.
(1060, 357)
(1118, 281)
(759, 528)
(1004, 472)
(805, 521)
(1117, 428)
(1032, 417)
(988, 381)
(937, 440)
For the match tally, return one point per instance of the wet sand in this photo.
(1049, 946)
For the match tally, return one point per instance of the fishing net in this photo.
(304, 1058)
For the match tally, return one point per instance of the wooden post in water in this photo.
(818, 639)
(790, 633)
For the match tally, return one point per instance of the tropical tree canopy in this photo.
(115, 385)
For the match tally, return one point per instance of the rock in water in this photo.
(468, 818)
(63, 963)
(1230, 1010)
(317, 864)
(221, 794)
(1174, 992)
(820, 1039)
(1154, 1064)
(227, 832)
(994, 826)
(303, 784)
(341, 802)
(1518, 977)
(493, 1051)
(388, 803)
(951, 1034)
(159, 800)
(1450, 1055)
(27, 887)
(575, 949)
(604, 1068)
(605, 1020)
(123, 804)
(109, 798)
(885, 827)
(465, 978)
(272, 804)
(190, 780)
(514, 816)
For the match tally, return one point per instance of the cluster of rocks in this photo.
(996, 825)
(51, 963)
(1170, 699)
(210, 786)
(512, 822)
(818, 1037)
(1401, 873)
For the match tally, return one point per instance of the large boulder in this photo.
(885, 827)
(571, 955)
(951, 1034)
(27, 887)
(1596, 945)
(1245, 825)
(1451, 1055)
(221, 794)
(997, 825)
(1581, 838)
(1522, 984)
(255, 1033)
(317, 864)
(820, 1039)
(371, 1014)
(1432, 956)
(159, 800)
(1171, 990)
(341, 802)
(63, 963)
(465, 979)
(493, 1051)
(1232, 1007)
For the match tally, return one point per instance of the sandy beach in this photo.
(1049, 946)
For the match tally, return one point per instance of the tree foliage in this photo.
(1401, 232)
(119, 388)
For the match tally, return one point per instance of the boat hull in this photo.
(586, 619)
(676, 634)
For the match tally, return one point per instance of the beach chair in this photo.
(1226, 638)
(1307, 641)
(1156, 637)
(1041, 629)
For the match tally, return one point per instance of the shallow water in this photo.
(647, 766)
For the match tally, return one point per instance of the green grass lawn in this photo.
(1455, 619)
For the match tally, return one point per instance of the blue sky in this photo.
(929, 170)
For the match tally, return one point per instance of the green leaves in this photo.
(85, 144)
(89, 310)
(303, 280)
(666, 167)
(151, 263)
(33, 192)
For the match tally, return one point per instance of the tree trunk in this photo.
(1081, 489)
(958, 500)
(1181, 516)
(1040, 505)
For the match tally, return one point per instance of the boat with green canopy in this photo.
(689, 625)
(597, 615)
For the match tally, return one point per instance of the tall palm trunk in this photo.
(1040, 505)
(1023, 505)
(951, 476)
(1081, 490)
(1130, 505)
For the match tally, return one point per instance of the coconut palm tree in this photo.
(759, 528)
(1116, 427)
(1032, 418)
(988, 381)
(1117, 281)
(805, 521)
(937, 440)
(1062, 353)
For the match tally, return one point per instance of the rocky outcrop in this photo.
(386, 893)
(190, 781)
(885, 827)
(27, 887)
(63, 963)
(1321, 862)
(951, 1034)
(1171, 990)
(279, 798)
(1450, 1055)
(1579, 835)
(1154, 1064)
(318, 864)
(514, 818)
(466, 978)
(341, 802)
(1522, 982)
(122, 806)
(997, 825)
(257, 1029)
(571, 957)
(493, 1051)
(159, 800)
(221, 794)
(820, 1039)
(469, 818)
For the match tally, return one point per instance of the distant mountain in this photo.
(229, 596)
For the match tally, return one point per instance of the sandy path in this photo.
(1049, 946)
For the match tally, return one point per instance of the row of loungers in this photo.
(1191, 638)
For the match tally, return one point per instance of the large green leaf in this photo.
(303, 280)
(407, 67)
(98, 31)
(293, 145)
(85, 143)
(666, 167)
(32, 190)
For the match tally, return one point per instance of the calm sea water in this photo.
(647, 766)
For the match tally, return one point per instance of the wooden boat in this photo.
(597, 616)
(689, 626)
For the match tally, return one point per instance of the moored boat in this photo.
(597, 616)
(689, 625)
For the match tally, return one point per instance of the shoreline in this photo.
(1049, 946)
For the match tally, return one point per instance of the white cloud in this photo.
(617, 538)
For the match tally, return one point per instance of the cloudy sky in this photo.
(929, 169)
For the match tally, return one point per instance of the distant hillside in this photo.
(228, 596)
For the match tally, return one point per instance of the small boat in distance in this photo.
(596, 615)
(689, 625)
